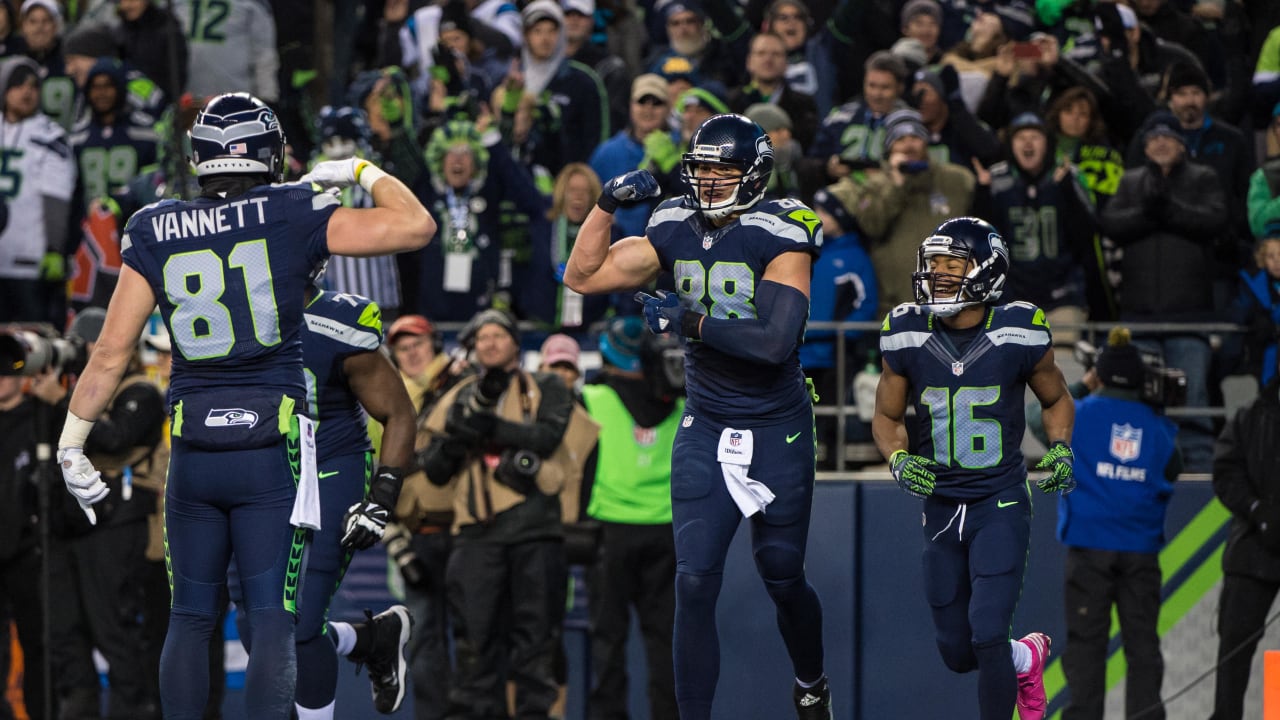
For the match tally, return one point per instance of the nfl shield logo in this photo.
(735, 439)
(957, 368)
(1126, 442)
(644, 437)
(706, 242)
(687, 421)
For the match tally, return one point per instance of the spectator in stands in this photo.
(466, 182)
(152, 40)
(42, 27)
(955, 135)
(114, 143)
(776, 123)
(852, 135)
(843, 289)
(767, 83)
(922, 22)
(582, 47)
(1042, 211)
(626, 150)
(1169, 23)
(1166, 216)
(696, 105)
(1266, 86)
(36, 211)
(1073, 119)
(11, 40)
(547, 298)
(230, 51)
(1263, 199)
(903, 203)
(1257, 306)
(689, 37)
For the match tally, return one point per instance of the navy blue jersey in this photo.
(969, 405)
(109, 156)
(716, 271)
(339, 325)
(229, 276)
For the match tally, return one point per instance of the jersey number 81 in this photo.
(195, 283)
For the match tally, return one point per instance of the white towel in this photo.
(734, 455)
(306, 506)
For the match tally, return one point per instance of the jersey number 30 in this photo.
(974, 442)
(195, 283)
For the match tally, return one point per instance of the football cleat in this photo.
(387, 661)
(813, 703)
(1031, 696)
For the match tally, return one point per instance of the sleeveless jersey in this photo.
(716, 272)
(229, 276)
(969, 406)
(338, 326)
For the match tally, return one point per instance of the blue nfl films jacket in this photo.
(1122, 449)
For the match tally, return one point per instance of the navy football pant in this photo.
(218, 504)
(974, 557)
(343, 483)
(705, 519)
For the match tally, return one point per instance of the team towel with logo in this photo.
(734, 455)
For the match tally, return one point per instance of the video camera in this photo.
(1162, 386)
(30, 349)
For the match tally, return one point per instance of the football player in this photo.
(742, 267)
(965, 363)
(228, 270)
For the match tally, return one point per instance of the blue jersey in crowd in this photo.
(211, 261)
(716, 271)
(968, 388)
(339, 325)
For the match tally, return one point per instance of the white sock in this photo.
(1021, 656)
(807, 685)
(344, 637)
(324, 713)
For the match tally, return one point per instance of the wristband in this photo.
(74, 431)
(367, 174)
(893, 458)
(691, 325)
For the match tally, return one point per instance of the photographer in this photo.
(493, 437)
(96, 588)
(19, 531)
(1245, 459)
(1126, 460)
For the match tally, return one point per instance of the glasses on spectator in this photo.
(651, 100)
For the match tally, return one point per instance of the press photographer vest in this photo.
(149, 463)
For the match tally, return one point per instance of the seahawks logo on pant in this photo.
(230, 417)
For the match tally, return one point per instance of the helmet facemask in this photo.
(721, 143)
(945, 294)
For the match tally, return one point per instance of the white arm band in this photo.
(74, 431)
(367, 174)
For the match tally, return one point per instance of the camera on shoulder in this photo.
(1144, 371)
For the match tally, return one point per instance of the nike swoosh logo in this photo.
(1006, 503)
(792, 438)
(331, 473)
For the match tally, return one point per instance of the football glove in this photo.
(666, 314)
(365, 521)
(1060, 462)
(915, 474)
(336, 173)
(83, 481)
(628, 189)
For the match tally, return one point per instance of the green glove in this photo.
(53, 267)
(660, 152)
(915, 474)
(1060, 462)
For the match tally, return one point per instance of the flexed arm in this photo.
(596, 267)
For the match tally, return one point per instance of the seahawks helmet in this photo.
(237, 134)
(343, 131)
(974, 240)
(729, 141)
